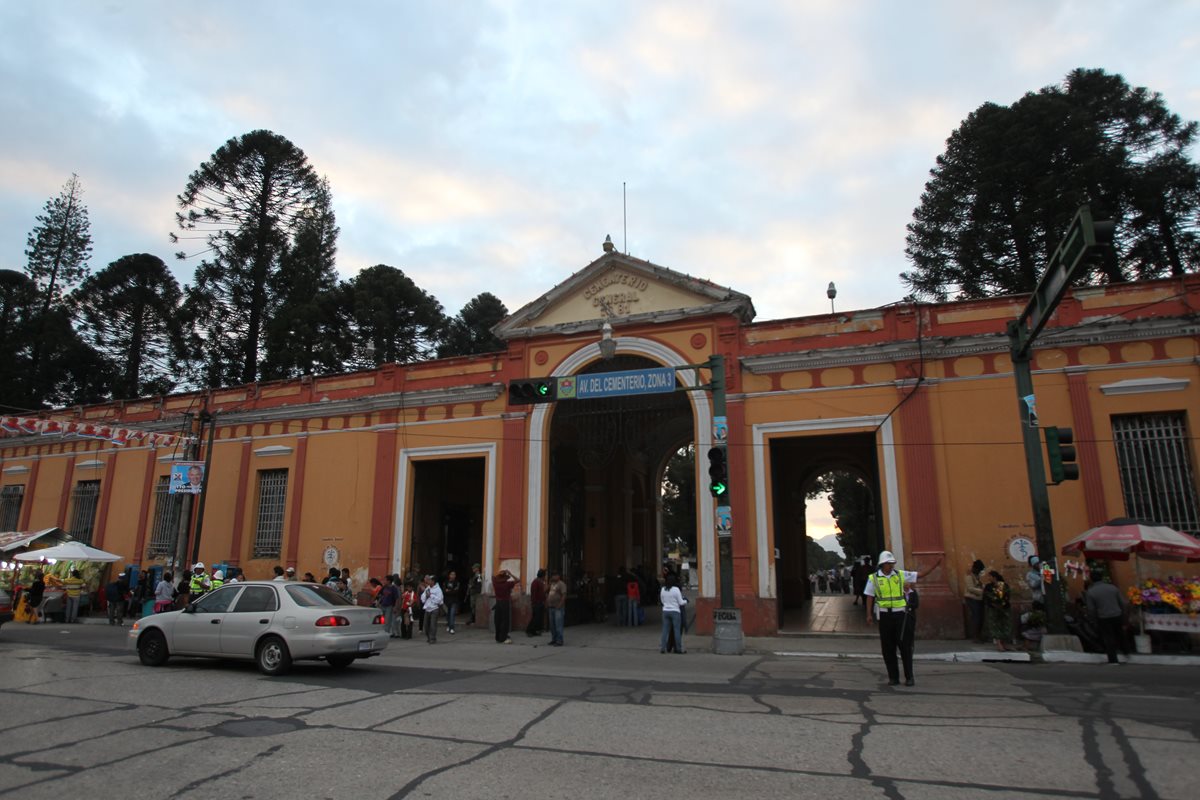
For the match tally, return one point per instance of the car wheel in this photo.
(152, 648)
(272, 656)
(339, 662)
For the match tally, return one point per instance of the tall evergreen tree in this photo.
(470, 332)
(130, 314)
(57, 253)
(245, 203)
(1003, 193)
(308, 329)
(58, 248)
(19, 311)
(393, 319)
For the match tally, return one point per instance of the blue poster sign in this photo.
(658, 380)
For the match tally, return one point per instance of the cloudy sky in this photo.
(481, 146)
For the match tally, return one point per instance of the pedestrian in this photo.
(537, 602)
(432, 599)
(452, 590)
(633, 602)
(997, 611)
(72, 591)
(973, 597)
(1107, 605)
(887, 595)
(408, 599)
(114, 594)
(35, 599)
(386, 602)
(502, 586)
(474, 590)
(279, 573)
(308, 576)
(556, 604)
(672, 601)
(347, 585)
(1033, 581)
(199, 583)
(164, 593)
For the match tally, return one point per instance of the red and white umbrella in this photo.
(1117, 538)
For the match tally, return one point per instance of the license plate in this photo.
(364, 647)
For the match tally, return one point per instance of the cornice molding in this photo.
(1145, 386)
(954, 347)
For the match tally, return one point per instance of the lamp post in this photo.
(831, 293)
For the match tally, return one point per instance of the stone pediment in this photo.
(620, 287)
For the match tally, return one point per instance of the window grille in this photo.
(272, 496)
(167, 509)
(10, 506)
(84, 498)
(1156, 469)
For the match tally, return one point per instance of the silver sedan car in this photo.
(272, 623)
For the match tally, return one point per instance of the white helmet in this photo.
(886, 557)
(198, 565)
(219, 575)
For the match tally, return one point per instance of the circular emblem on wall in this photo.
(541, 357)
(331, 556)
(1020, 548)
(699, 340)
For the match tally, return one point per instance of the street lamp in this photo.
(608, 345)
(831, 293)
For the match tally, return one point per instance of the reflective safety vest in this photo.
(889, 590)
(197, 584)
(215, 584)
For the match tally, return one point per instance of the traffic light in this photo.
(1060, 451)
(718, 473)
(529, 392)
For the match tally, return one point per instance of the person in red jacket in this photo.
(408, 599)
(537, 599)
(502, 587)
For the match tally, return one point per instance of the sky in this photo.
(772, 147)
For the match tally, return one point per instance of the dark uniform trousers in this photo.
(896, 632)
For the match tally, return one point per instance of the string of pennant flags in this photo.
(88, 430)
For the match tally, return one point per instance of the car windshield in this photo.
(310, 595)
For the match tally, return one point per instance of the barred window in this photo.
(84, 498)
(167, 509)
(1156, 469)
(272, 494)
(10, 506)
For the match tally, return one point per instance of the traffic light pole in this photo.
(1084, 238)
(1038, 495)
(728, 638)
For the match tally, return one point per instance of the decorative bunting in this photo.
(118, 436)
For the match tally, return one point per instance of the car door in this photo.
(250, 616)
(198, 627)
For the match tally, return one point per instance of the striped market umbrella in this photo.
(1118, 538)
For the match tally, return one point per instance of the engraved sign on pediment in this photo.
(616, 294)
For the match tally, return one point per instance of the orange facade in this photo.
(376, 471)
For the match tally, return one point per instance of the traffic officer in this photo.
(200, 583)
(888, 590)
(218, 580)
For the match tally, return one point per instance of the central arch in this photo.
(539, 449)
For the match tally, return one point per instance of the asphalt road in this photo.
(605, 717)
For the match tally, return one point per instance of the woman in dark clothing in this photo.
(997, 611)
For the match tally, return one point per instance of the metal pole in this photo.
(1039, 497)
(728, 638)
(180, 547)
(724, 543)
(211, 421)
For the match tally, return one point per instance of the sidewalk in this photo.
(805, 645)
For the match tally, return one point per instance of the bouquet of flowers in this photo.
(1174, 595)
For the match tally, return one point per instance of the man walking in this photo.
(432, 600)
(1107, 605)
(387, 601)
(114, 594)
(537, 600)
(887, 593)
(556, 603)
(474, 590)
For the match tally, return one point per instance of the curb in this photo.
(967, 657)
